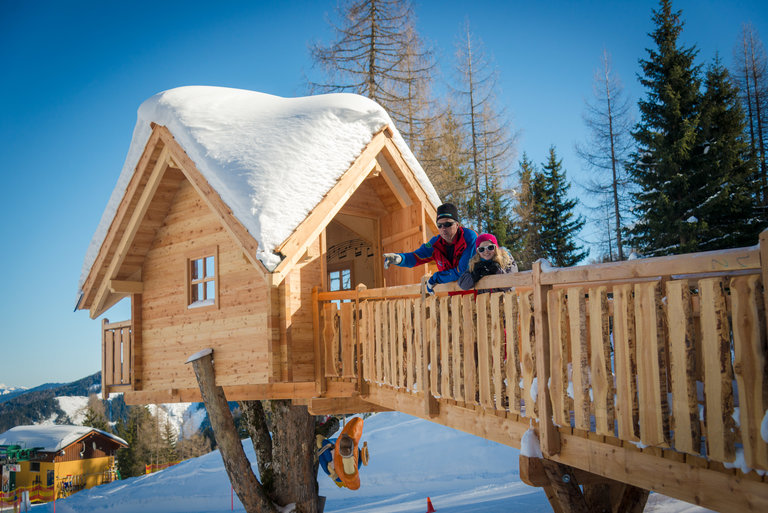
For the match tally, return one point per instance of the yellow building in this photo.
(68, 459)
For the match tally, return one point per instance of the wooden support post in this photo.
(567, 492)
(431, 408)
(320, 382)
(550, 437)
(236, 463)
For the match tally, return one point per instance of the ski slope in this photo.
(411, 459)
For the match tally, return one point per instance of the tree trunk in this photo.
(293, 452)
(244, 482)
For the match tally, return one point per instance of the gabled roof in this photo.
(52, 438)
(271, 160)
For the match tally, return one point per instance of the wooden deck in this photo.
(650, 372)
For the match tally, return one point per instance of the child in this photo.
(488, 259)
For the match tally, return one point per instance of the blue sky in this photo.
(74, 73)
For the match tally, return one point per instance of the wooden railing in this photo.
(116, 351)
(667, 352)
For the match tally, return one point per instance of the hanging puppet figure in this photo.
(341, 457)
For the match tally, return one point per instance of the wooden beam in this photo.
(400, 192)
(133, 226)
(305, 389)
(342, 405)
(126, 287)
(309, 229)
(134, 185)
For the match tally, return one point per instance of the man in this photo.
(451, 250)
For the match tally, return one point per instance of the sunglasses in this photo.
(483, 249)
(444, 225)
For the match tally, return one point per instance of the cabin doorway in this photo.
(351, 253)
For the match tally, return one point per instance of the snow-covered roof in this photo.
(270, 159)
(51, 438)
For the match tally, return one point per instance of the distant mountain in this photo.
(63, 403)
(39, 404)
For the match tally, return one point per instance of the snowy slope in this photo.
(411, 459)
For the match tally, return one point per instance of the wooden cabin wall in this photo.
(297, 347)
(236, 330)
(403, 231)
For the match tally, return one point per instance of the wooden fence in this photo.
(663, 352)
(116, 351)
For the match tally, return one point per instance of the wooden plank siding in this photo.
(237, 329)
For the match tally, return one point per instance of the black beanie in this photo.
(447, 210)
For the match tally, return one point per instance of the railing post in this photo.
(104, 385)
(764, 266)
(431, 407)
(320, 383)
(362, 386)
(548, 434)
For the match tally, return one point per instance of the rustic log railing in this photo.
(665, 353)
(116, 351)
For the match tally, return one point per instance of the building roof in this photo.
(52, 438)
(270, 159)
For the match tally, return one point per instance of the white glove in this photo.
(391, 258)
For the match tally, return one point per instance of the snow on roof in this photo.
(51, 438)
(271, 159)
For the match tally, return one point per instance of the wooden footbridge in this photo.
(641, 375)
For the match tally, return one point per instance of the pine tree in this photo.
(525, 243)
(560, 225)
(725, 218)
(664, 165)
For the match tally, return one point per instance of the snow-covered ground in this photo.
(411, 459)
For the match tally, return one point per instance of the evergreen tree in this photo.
(559, 223)
(664, 167)
(725, 218)
(525, 242)
(169, 439)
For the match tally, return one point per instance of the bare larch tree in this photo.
(609, 122)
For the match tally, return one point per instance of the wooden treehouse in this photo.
(642, 375)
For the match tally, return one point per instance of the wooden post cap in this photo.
(198, 355)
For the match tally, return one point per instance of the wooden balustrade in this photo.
(116, 352)
(665, 352)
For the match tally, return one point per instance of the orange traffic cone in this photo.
(430, 507)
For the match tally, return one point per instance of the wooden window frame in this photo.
(339, 267)
(202, 254)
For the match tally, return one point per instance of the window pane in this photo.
(335, 281)
(210, 289)
(210, 268)
(197, 292)
(197, 269)
(346, 279)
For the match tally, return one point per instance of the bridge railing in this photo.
(665, 352)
